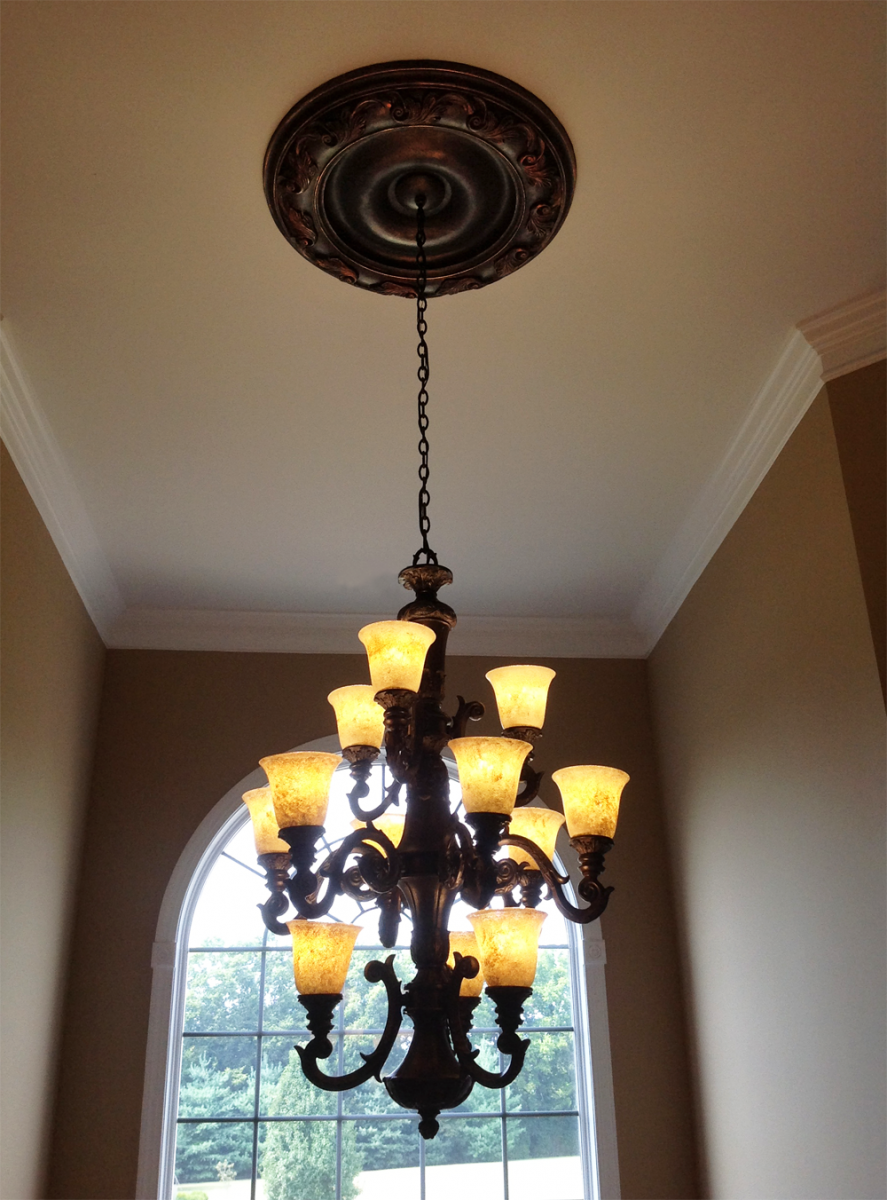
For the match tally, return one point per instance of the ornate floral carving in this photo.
(520, 146)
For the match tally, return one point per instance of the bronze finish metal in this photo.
(437, 859)
(345, 164)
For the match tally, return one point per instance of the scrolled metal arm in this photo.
(589, 889)
(509, 1043)
(320, 1024)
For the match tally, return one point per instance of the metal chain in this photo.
(423, 374)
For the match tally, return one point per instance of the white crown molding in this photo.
(336, 633)
(38, 458)
(774, 413)
(851, 336)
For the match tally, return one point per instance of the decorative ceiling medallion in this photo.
(345, 164)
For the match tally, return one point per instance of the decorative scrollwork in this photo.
(320, 1047)
(468, 710)
(589, 889)
(455, 126)
(509, 1008)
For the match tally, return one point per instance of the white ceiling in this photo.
(220, 435)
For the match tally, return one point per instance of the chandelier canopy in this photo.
(421, 179)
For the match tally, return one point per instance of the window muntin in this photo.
(246, 1111)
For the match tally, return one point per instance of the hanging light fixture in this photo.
(425, 179)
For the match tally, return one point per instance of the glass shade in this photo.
(360, 720)
(489, 771)
(300, 784)
(321, 955)
(465, 943)
(396, 651)
(521, 694)
(591, 798)
(540, 825)
(391, 825)
(261, 811)
(508, 941)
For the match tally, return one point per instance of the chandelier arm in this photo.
(481, 870)
(360, 771)
(589, 888)
(531, 780)
(276, 867)
(320, 1047)
(468, 710)
(508, 1016)
(274, 907)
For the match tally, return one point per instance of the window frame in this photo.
(169, 960)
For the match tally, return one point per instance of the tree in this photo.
(298, 1160)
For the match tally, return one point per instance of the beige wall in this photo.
(771, 727)
(177, 730)
(859, 416)
(52, 666)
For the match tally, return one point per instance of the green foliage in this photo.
(298, 1161)
(191, 1196)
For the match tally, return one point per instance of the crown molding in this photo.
(336, 633)
(774, 413)
(39, 460)
(851, 336)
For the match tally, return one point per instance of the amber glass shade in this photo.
(591, 799)
(521, 694)
(300, 784)
(396, 651)
(261, 811)
(391, 824)
(489, 771)
(508, 941)
(360, 720)
(540, 825)
(466, 944)
(321, 955)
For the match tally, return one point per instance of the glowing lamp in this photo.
(261, 811)
(591, 799)
(508, 942)
(540, 825)
(466, 945)
(396, 651)
(391, 824)
(489, 771)
(321, 955)
(521, 694)
(359, 719)
(300, 784)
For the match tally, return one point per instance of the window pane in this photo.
(208, 1152)
(548, 1081)
(370, 1097)
(218, 1077)
(285, 1092)
(223, 992)
(225, 914)
(282, 1008)
(555, 1169)
(465, 1159)
(484, 1099)
(389, 1157)
(298, 1160)
(550, 1001)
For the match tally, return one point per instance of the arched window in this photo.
(234, 1111)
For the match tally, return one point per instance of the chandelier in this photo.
(420, 179)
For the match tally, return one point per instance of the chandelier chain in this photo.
(423, 375)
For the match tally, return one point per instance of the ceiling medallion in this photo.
(344, 166)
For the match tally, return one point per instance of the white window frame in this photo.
(169, 957)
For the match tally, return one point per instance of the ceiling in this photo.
(222, 438)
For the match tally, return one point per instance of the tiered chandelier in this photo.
(424, 179)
